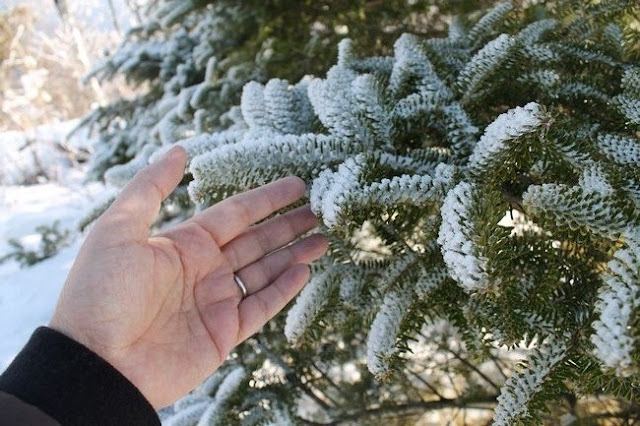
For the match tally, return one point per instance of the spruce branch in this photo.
(522, 386)
(618, 303)
(292, 376)
(475, 369)
(593, 205)
(413, 408)
(460, 255)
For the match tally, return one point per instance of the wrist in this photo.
(58, 324)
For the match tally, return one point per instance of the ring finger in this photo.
(261, 273)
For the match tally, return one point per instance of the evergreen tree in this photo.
(481, 191)
(192, 58)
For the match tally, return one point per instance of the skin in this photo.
(165, 310)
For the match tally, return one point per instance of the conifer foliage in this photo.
(192, 58)
(481, 192)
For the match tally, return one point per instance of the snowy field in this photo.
(41, 183)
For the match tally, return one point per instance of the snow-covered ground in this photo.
(40, 184)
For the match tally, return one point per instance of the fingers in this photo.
(137, 205)
(259, 274)
(262, 239)
(258, 308)
(229, 218)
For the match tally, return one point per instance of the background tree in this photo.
(480, 186)
(43, 60)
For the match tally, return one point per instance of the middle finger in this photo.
(266, 237)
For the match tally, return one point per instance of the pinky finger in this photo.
(257, 309)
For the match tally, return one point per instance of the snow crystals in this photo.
(337, 187)
(308, 304)
(332, 193)
(486, 61)
(619, 297)
(621, 149)
(384, 330)
(592, 204)
(465, 265)
(201, 409)
(523, 385)
(510, 125)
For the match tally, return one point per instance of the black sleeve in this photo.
(14, 411)
(73, 385)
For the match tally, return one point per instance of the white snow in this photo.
(456, 239)
(523, 385)
(507, 127)
(381, 342)
(28, 295)
(41, 154)
(344, 181)
(622, 150)
(612, 340)
(27, 299)
(594, 179)
(229, 386)
(490, 57)
(308, 304)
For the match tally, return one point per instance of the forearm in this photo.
(72, 385)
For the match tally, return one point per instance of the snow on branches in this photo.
(337, 188)
(621, 149)
(508, 127)
(459, 252)
(593, 204)
(522, 386)
(309, 303)
(121, 174)
(262, 159)
(422, 153)
(384, 331)
(334, 194)
(485, 63)
(485, 25)
(206, 406)
(618, 306)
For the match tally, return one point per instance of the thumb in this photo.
(138, 204)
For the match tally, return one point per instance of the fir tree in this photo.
(191, 59)
(481, 191)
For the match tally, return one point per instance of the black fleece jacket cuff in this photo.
(74, 385)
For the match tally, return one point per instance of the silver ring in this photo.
(241, 285)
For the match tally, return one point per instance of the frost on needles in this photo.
(488, 179)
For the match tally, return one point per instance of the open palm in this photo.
(165, 310)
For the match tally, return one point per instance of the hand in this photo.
(165, 310)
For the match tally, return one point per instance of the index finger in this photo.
(232, 216)
(137, 206)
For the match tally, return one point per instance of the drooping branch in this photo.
(485, 402)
